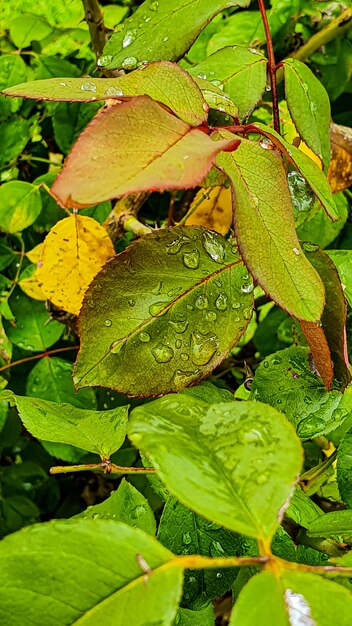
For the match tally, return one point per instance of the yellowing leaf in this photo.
(74, 251)
(212, 209)
(290, 133)
(35, 254)
(340, 168)
(29, 283)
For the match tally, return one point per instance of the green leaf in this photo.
(202, 617)
(333, 524)
(69, 120)
(344, 468)
(126, 505)
(165, 322)
(84, 572)
(309, 106)
(160, 29)
(302, 510)
(234, 462)
(14, 136)
(100, 432)
(265, 230)
(334, 316)
(165, 82)
(13, 70)
(216, 99)
(7, 255)
(342, 259)
(295, 598)
(32, 330)
(319, 228)
(27, 28)
(20, 205)
(308, 168)
(240, 71)
(51, 379)
(184, 532)
(289, 382)
(174, 155)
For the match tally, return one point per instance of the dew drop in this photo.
(130, 63)
(221, 302)
(105, 59)
(113, 91)
(203, 347)
(214, 246)
(210, 316)
(178, 343)
(108, 323)
(162, 353)
(247, 313)
(157, 308)
(201, 302)
(179, 326)
(247, 288)
(88, 87)
(184, 356)
(175, 246)
(144, 337)
(191, 259)
(296, 251)
(129, 38)
(131, 302)
(182, 378)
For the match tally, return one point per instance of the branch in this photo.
(37, 356)
(336, 28)
(271, 66)
(106, 466)
(124, 217)
(94, 17)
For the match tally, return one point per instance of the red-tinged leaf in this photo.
(163, 81)
(265, 231)
(320, 350)
(132, 147)
(332, 334)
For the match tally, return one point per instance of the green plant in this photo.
(236, 474)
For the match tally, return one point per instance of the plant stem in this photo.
(94, 17)
(37, 356)
(124, 217)
(339, 26)
(271, 66)
(106, 466)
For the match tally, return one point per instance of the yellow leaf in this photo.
(212, 209)
(74, 251)
(35, 254)
(340, 168)
(29, 282)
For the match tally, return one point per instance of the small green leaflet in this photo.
(101, 432)
(20, 205)
(164, 82)
(240, 71)
(344, 466)
(288, 380)
(309, 106)
(333, 524)
(126, 505)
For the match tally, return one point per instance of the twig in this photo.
(271, 66)
(106, 466)
(123, 217)
(338, 26)
(94, 17)
(37, 356)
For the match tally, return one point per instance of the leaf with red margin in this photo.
(163, 81)
(265, 231)
(132, 147)
(331, 336)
